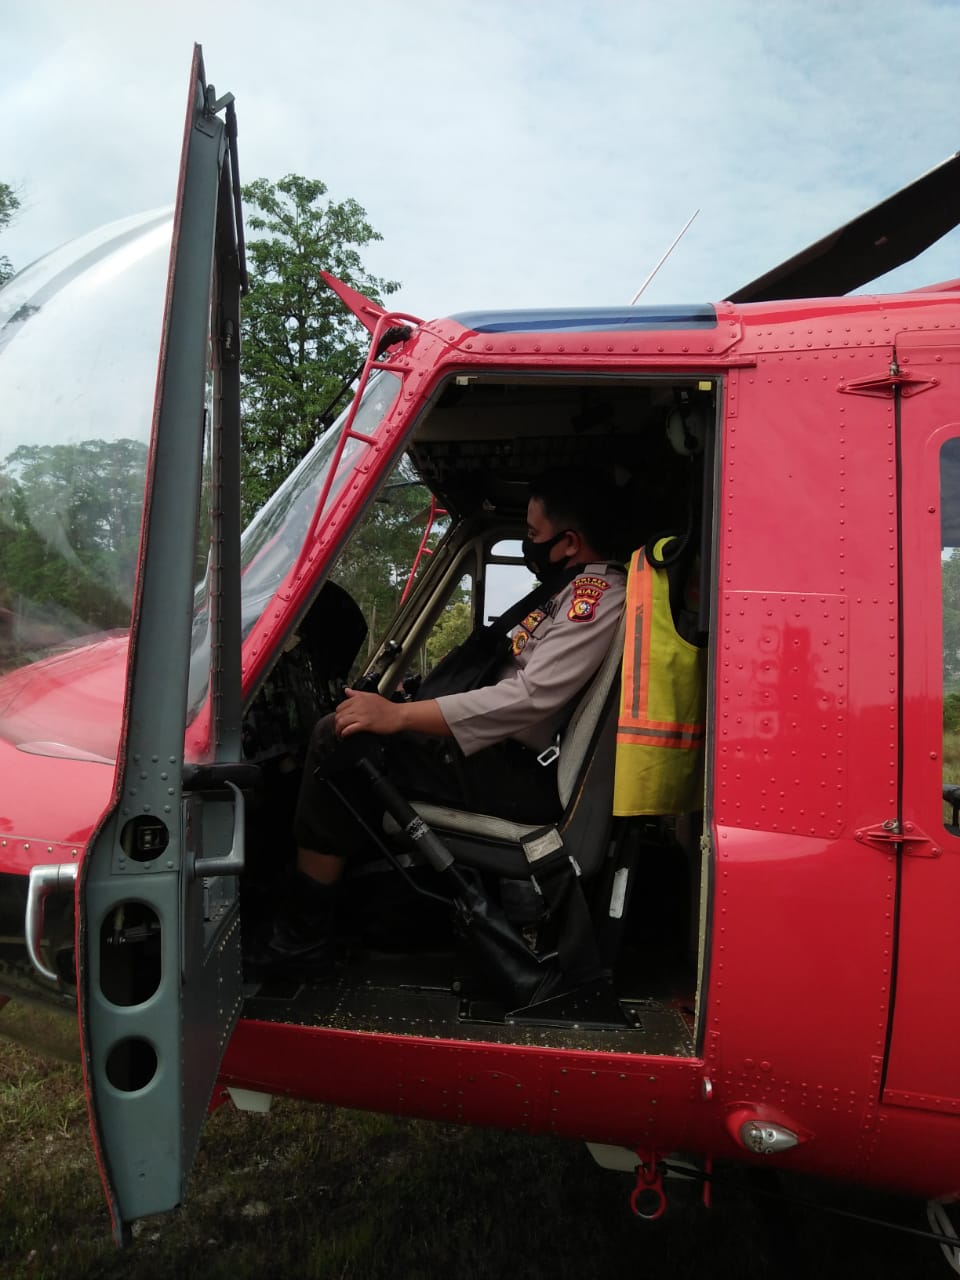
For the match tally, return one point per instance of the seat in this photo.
(540, 868)
(514, 850)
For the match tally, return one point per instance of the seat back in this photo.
(584, 783)
(582, 727)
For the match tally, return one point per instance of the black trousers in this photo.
(506, 780)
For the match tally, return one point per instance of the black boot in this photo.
(300, 943)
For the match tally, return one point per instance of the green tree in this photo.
(452, 628)
(300, 343)
(378, 559)
(69, 533)
(950, 571)
(9, 204)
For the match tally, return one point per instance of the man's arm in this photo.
(370, 713)
(559, 659)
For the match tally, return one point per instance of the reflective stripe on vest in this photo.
(660, 732)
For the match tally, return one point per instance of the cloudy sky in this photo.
(510, 152)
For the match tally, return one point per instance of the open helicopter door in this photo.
(157, 914)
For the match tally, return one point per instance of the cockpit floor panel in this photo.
(402, 995)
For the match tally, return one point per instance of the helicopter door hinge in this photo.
(907, 835)
(885, 384)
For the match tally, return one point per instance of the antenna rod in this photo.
(673, 245)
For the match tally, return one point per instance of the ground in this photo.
(314, 1191)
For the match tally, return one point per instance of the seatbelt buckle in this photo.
(549, 754)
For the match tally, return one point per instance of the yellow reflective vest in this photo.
(660, 732)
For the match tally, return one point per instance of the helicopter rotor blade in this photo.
(884, 237)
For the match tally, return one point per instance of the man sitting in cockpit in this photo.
(484, 749)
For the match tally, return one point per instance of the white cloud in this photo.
(510, 153)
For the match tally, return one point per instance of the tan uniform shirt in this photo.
(555, 652)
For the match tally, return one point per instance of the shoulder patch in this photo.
(587, 591)
(590, 580)
(519, 642)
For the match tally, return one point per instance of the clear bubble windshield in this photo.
(79, 338)
(80, 334)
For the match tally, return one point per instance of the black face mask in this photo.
(536, 556)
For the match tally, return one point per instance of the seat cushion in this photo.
(483, 825)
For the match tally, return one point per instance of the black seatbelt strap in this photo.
(541, 593)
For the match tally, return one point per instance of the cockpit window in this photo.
(79, 339)
(950, 583)
(273, 539)
(79, 336)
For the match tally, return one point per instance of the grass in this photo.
(951, 766)
(313, 1191)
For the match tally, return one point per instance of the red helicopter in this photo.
(761, 973)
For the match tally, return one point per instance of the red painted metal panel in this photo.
(72, 699)
(617, 1098)
(50, 806)
(915, 1152)
(923, 1070)
(805, 739)
(786, 675)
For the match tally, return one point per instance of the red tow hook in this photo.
(647, 1200)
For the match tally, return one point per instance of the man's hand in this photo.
(367, 713)
(370, 713)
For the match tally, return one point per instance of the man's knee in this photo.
(323, 739)
(332, 794)
(329, 755)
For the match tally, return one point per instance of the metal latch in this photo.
(886, 384)
(909, 837)
(227, 864)
(44, 880)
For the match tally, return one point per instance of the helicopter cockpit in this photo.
(436, 554)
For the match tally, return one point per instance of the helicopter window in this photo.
(72, 468)
(272, 541)
(950, 581)
(507, 579)
(450, 629)
(376, 564)
(72, 464)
